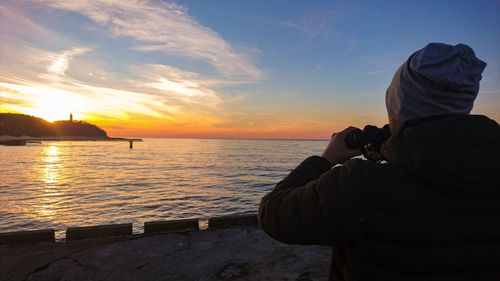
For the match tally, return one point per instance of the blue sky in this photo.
(263, 69)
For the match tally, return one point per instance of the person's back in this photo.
(430, 212)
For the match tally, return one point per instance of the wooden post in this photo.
(131, 142)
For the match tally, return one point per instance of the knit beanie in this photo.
(439, 79)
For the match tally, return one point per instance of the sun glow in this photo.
(53, 106)
(47, 103)
(52, 110)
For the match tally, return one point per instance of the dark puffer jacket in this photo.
(432, 212)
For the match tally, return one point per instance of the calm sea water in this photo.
(63, 184)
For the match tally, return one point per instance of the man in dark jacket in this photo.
(431, 211)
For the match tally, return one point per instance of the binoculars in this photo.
(369, 135)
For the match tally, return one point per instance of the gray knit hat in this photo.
(436, 80)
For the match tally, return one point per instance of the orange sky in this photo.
(298, 71)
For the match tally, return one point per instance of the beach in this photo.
(235, 253)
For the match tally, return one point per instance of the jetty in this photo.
(13, 142)
(231, 248)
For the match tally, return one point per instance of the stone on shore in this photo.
(238, 253)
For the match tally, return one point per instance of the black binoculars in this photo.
(369, 135)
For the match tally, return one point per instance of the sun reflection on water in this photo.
(51, 165)
(63, 184)
(50, 170)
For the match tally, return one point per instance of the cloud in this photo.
(17, 32)
(58, 100)
(15, 23)
(34, 63)
(148, 91)
(51, 79)
(313, 23)
(182, 85)
(172, 86)
(375, 72)
(166, 27)
(60, 61)
(12, 97)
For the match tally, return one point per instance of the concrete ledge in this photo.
(228, 221)
(26, 237)
(171, 226)
(77, 233)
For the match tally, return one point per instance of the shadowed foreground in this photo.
(243, 253)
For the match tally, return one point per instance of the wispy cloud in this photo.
(375, 72)
(174, 86)
(166, 27)
(39, 78)
(60, 61)
(157, 91)
(313, 23)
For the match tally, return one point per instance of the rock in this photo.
(238, 253)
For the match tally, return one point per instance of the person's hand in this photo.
(373, 155)
(337, 152)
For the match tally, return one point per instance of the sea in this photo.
(61, 184)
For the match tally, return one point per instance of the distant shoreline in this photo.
(67, 138)
(73, 138)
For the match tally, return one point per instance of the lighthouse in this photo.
(71, 117)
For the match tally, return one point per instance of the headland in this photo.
(19, 129)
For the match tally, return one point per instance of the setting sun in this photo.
(299, 75)
(47, 103)
(53, 106)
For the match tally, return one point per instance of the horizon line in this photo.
(227, 138)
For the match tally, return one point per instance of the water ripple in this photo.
(63, 184)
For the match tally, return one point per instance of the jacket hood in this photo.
(459, 155)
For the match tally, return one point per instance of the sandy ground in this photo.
(242, 253)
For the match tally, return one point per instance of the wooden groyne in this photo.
(234, 253)
(115, 230)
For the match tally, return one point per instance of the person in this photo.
(431, 210)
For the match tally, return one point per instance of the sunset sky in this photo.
(228, 69)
